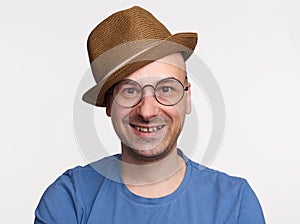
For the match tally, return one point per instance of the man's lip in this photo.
(147, 128)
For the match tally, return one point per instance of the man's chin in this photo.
(148, 153)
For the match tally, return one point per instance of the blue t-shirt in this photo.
(83, 195)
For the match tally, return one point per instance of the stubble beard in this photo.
(150, 148)
(145, 150)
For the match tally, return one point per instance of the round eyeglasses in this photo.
(168, 92)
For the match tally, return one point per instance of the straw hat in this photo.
(125, 42)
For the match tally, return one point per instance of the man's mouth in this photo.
(147, 129)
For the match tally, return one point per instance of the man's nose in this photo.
(148, 107)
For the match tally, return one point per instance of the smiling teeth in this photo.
(148, 130)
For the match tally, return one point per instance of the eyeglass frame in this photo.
(111, 91)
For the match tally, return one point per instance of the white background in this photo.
(252, 48)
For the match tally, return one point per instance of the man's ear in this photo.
(188, 100)
(108, 105)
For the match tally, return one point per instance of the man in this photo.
(139, 67)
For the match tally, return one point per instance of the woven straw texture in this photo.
(125, 42)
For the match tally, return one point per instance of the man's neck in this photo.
(155, 179)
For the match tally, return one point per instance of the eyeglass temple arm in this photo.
(187, 87)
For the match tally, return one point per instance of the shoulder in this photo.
(92, 173)
(74, 189)
(214, 176)
(214, 182)
(90, 176)
(230, 191)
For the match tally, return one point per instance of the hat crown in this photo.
(122, 27)
(127, 41)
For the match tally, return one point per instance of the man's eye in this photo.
(165, 89)
(129, 91)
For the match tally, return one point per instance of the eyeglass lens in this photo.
(128, 93)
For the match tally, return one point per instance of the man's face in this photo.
(149, 130)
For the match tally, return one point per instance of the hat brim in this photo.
(183, 43)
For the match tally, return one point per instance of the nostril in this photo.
(148, 108)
